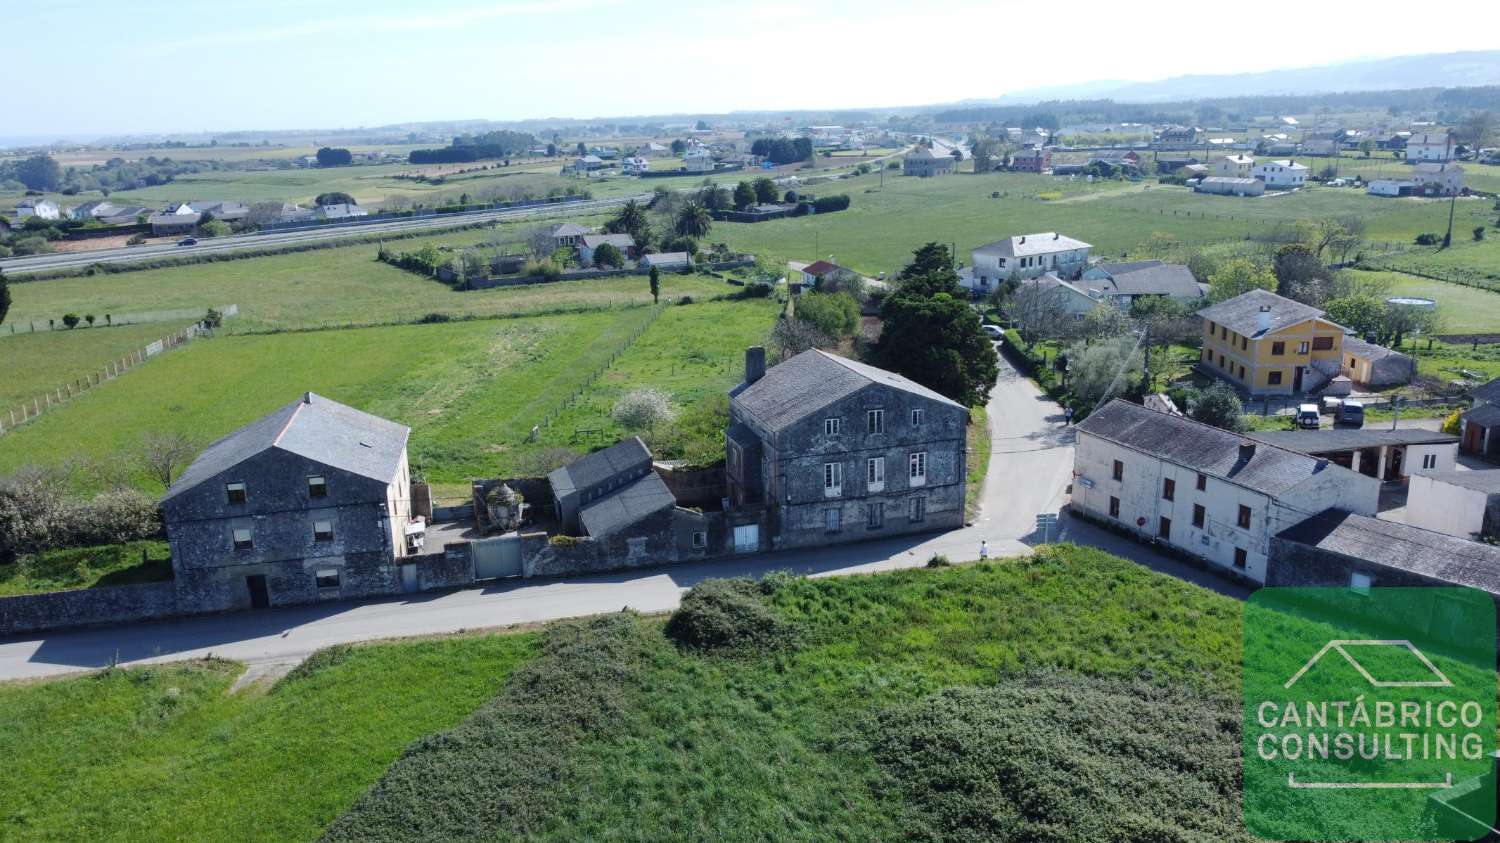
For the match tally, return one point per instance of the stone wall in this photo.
(453, 568)
(701, 488)
(87, 607)
(656, 540)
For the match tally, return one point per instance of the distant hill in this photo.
(1440, 70)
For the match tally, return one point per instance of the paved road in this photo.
(281, 239)
(1029, 471)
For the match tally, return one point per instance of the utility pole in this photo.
(1146, 375)
(1452, 204)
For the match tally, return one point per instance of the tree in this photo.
(606, 255)
(655, 279)
(1159, 245)
(834, 314)
(642, 409)
(1039, 312)
(1366, 146)
(1299, 274)
(1478, 233)
(334, 198)
(581, 149)
(1364, 315)
(4, 297)
(89, 318)
(162, 454)
(701, 125)
(791, 337)
(1401, 320)
(551, 150)
(744, 195)
(1098, 371)
(70, 320)
(679, 146)
(540, 243)
(214, 228)
(765, 190)
(334, 157)
(930, 272)
(1477, 130)
(39, 172)
(1238, 276)
(1218, 405)
(936, 341)
(631, 220)
(693, 220)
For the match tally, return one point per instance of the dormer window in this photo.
(234, 493)
(317, 487)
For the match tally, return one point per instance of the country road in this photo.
(251, 243)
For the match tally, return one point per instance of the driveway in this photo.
(1029, 471)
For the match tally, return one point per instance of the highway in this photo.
(273, 240)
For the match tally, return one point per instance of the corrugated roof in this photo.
(1241, 314)
(1345, 439)
(313, 427)
(1203, 448)
(1402, 547)
(812, 380)
(626, 505)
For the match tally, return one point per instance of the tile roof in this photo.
(314, 427)
(1348, 438)
(1422, 552)
(1203, 448)
(1025, 245)
(819, 267)
(626, 505)
(789, 392)
(1487, 481)
(593, 469)
(1241, 314)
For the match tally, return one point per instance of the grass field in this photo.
(1465, 262)
(165, 753)
(87, 567)
(471, 391)
(667, 743)
(46, 360)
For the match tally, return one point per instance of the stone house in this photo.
(1270, 345)
(1032, 159)
(308, 503)
(832, 450)
(1200, 490)
(1465, 504)
(923, 163)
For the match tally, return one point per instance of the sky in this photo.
(101, 67)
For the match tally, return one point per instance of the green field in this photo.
(87, 567)
(609, 731)
(1461, 309)
(46, 360)
(166, 753)
(1465, 262)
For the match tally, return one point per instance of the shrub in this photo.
(643, 409)
(729, 616)
(835, 314)
(828, 204)
(938, 560)
(71, 320)
(685, 300)
(1429, 239)
(753, 290)
(434, 318)
(322, 660)
(1050, 195)
(1451, 423)
(1478, 233)
(37, 514)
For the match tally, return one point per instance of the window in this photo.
(875, 515)
(1302, 347)
(1273, 378)
(328, 578)
(833, 427)
(1223, 333)
(1244, 517)
(1119, 473)
(1429, 460)
(1164, 528)
(1210, 328)
(1169, 489)
(916, 509)
(1202, 482)
(833, 479)
(1114, 507)
(1221, 360)
(1240, 558)
(1200, 515)
(322, 531)
(1360, 582)
(875, 421)
(1322, 343)
(833, 520)
(1244, 343)
(243, 539)
(918, 417)
(700, 539)
(317, 487)
(875, 473)
(234, 492)
(917, 473)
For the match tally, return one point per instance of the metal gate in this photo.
(746, 538)
(500, 557)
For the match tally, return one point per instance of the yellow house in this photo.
(1269, 345)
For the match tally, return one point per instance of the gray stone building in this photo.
(924, 163)
(829, 450)
(308, 503)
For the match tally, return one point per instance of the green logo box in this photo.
(1369, 714)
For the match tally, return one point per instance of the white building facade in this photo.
(1030, 256)
(1282, 173)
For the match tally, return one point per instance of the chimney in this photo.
(1056, 236)
(755, 363)
(307, 398)
(1247, 451)
(1023, 238)
(1263, 322)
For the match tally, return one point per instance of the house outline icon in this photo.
(1339, 646)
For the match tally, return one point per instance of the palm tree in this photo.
(693, 220)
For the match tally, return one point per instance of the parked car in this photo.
(1350, 414)
(995, 332)
(1307, 417)
(188, 241)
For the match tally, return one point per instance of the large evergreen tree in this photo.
(932, 335)
(4, 297)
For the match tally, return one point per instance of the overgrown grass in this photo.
(979, 445)
(47, 360)
(164, 753)
(87, 567)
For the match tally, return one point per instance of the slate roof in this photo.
(1164, 279)
(1241, 314)
(1203, 448)
(1347, 438)
(1485, 415)
(667, 258)
(1399, 546)
(1487, 481)
(1025, 245)
(805, 384)
(569, 229)
(1427, 168)
(1429, 139)
(619, 241)
(626, 505)
(1488, 392)
(313, 427)
(1368, 350)
(596, 468)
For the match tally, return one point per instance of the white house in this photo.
(1205, 491)
(1230, 186)
(698, 159)
(1234, 166)
(634, 166)
(1030, 256)
(1438, 178)
(1430, 146)
(1281, 173)
(41, 208)
(1391, 187)
(341, 211)
(1465, 504)
(589, 242)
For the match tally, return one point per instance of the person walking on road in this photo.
(1068, 416)
(984, 550)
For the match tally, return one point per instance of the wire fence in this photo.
(34, 326)
(588, 383)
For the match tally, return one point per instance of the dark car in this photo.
(188, 241)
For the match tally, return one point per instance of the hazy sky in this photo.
(109, 66)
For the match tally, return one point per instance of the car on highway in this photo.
(188, 241)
